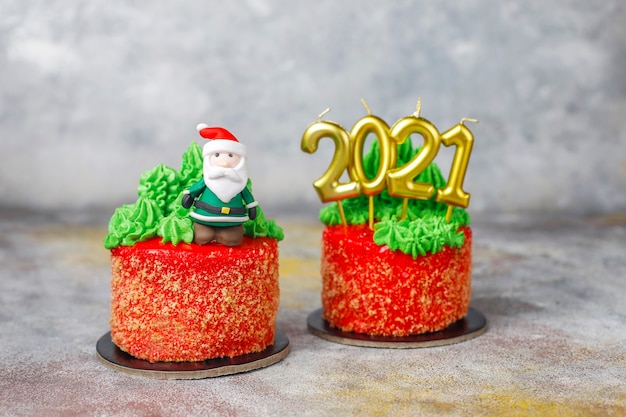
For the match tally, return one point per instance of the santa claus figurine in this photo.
(222, 202)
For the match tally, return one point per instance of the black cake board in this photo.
(113, 357)
(472, 325)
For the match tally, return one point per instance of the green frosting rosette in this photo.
(262, 227)
(177, 226)
(423, 230)
(158, 211)
(133, 223)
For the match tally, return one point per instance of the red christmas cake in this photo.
(410, 275)
(193, 281)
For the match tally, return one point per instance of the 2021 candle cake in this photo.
(194, 261)
(396, 250)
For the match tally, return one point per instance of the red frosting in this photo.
(191, 302)
(370, 289)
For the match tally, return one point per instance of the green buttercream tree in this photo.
(160, 184)
(133, 223)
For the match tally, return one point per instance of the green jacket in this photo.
(232, 213)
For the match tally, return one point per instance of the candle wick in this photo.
(467, 119)
(366, 106)
(319, 118)
(418, 107)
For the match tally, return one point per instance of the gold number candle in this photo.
(327, 186)
(453, 193)
(371, 186)
(400, 180)
(358, 134)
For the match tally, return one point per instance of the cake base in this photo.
(187, 302)
(113, 357)
(371, 289)
(469, 327)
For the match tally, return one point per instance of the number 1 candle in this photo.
(453, 193)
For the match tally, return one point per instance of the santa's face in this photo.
(224, 159)
(226, 174)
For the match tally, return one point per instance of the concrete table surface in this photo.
(553, 291)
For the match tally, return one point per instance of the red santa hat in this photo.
(220, 140)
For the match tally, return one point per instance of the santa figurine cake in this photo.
(396, 248)
(194, 263)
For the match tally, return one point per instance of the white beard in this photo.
(226, 183)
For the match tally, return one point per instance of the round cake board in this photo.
(472, 325)
(113, 357)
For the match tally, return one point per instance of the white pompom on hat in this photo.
(220, 140)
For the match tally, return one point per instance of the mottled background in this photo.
(94, 93)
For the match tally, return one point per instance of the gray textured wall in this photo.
(93, 93)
